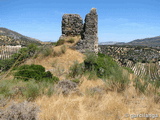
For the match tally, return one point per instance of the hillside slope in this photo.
(154, 41)
(9, 37)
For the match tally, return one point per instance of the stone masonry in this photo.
(72, 25)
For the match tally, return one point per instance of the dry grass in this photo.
(68, 38)
(111, 106)
(106, 106)
(81, 107)
(58, 65)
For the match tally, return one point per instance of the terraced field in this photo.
(144, 61)
(7, 51)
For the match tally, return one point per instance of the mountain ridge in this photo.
(10, 37)
(149, 42)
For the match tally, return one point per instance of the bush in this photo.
(90, 61)
(27, 72)
(76, 70)
(36, 72)
(25, 53)
(60, 42)
(20, 111)
(32, 91)
(104, 67)
(118, 80)
(146, 86)
(6, 64)
(102, 64)
(4, 89)
(46, 51)
(54, 79)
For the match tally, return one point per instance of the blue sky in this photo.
(118, 20)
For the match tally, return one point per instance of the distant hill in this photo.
(110, 43)
(9, 37)
(151, 42)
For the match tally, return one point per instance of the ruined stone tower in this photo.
(72, 25)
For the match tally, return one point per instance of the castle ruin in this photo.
(72, 25)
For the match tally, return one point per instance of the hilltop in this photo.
(9, 37)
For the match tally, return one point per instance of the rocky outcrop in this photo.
(72, 25)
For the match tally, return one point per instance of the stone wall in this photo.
(72, 24)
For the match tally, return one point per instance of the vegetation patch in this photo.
(36, 72)
(20, 111)
(46, 51)
(60, 42)
(18, 58)
(101, 66)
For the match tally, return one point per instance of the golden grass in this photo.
(106, 106)
(110, 106)
(75, 38)
(58, 65)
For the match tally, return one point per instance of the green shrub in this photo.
(46, 51)
(104, 67)
(32, 48)
(25, 53)
(36, 72)
(118, 80)
(102, 64)
(92, 75)
(76, 80)
(53, 79)
(4, 89)
(50, 91)
(47, 74)
(71, 40)
(32, 91)
(53, 43)
(60, 42)
(144, 85)
(76, 70)
(6, 64)
(27, 72)
(141, 86)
